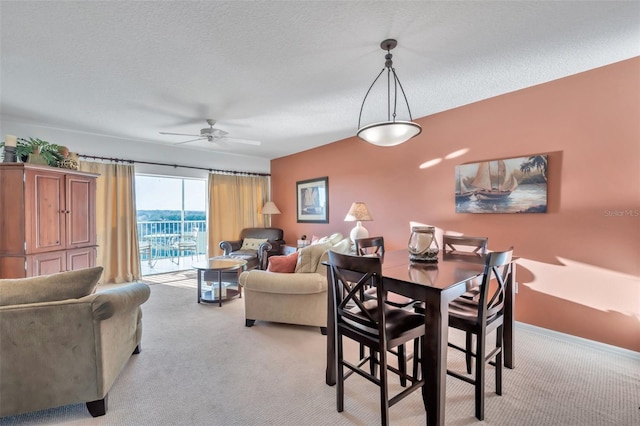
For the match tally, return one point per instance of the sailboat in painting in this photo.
(462, 192)
(494, 181)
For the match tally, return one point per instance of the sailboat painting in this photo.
(513, 185)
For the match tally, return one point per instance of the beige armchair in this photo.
(63, 344)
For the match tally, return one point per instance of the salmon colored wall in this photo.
(579, 271)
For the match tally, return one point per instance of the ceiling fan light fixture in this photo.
(390, 132)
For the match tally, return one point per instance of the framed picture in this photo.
(312, 198)
(510, 185)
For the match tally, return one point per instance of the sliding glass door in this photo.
(170, 210)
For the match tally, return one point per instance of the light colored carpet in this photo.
(200, 365)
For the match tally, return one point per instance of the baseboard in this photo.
(579, 340)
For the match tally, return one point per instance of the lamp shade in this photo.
(270, 208)
(389, 133)
(358, 211)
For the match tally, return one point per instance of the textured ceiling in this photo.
(289, 74)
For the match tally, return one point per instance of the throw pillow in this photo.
(285, 264)
(49, 288)
(308, 257)
(343, 246)
(335, 238)
(252, 243)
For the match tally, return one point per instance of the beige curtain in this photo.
(116, 221)
(235, 203)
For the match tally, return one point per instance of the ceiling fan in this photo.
(212, 134)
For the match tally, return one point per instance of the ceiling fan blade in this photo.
(179, 134)
(240, 140)
(192, 140)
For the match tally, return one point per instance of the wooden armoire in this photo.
(47, 220)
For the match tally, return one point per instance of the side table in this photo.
(287, 249)
(217, 265)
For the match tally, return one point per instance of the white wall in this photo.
(103, 146)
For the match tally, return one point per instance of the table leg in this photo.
(509, 320)
(220, 288)
(434, 359)
(200, 272)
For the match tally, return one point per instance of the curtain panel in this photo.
(116, 221)
(235, 203)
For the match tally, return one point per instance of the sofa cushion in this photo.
(309, 257)
(252, 243)
(285, 264)
(269, 282)
(49, 288)
(343, 246)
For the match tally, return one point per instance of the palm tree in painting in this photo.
(536, 161)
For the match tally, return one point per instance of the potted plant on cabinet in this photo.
(50, 152)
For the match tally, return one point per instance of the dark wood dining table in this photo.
(436, 285)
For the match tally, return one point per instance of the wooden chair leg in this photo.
(384, 389)
(469, 346)
(373, 363)
(416, 358)
(402, 365)
(339, 376)
(499, 339)
(480, 376)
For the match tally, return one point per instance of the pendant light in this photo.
(391, 132)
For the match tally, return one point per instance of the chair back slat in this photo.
(492, 297)
(464, 244)
(370, 246)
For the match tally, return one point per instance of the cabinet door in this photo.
(81, 258)
(45, 209)
(80, 211)
(46, 263)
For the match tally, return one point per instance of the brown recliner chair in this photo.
(251, 248)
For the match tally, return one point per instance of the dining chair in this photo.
(144, 248)
(481, 317)
(473, 247)
(372, 323)
(467, 246)
(374, 247)
(187, 243)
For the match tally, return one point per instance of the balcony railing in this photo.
(162, 234)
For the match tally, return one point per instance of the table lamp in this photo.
(358, 212)
(270, 208)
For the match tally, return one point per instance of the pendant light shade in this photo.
(391, 132)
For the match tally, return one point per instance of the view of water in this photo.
(525, 199)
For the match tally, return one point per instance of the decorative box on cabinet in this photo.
(47, 220)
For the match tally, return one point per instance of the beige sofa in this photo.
(292, 298)
(63, 344)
